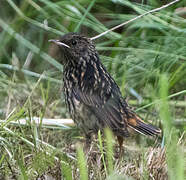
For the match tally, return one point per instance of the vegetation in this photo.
(147, 58)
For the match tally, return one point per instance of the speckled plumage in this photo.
(92, 96)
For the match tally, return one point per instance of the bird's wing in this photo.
(108, 109)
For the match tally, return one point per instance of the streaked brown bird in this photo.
(92, 96)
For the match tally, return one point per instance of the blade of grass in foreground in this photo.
(174, 154)
(109, 143)
(82, 164)
(101, 150)
(66, 170)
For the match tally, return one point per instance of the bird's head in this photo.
(74, 46)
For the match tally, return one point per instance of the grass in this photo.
(147, 58)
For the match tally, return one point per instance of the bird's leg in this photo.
(120, 141)
(87, 143)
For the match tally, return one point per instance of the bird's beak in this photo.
(59, 43)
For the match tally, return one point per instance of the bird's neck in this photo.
(86, 73)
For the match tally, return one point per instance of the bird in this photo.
(92, 96)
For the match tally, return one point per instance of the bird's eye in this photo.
(74, 42)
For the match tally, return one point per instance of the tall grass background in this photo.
(147, 58)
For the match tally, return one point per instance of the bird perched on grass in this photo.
(92, 96)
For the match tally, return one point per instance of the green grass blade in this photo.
(101, 150)
(109, 152)
(82, 164)
(66, 171)
(84, 16)
(174, 154)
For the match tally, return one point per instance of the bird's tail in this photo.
(140, 126)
